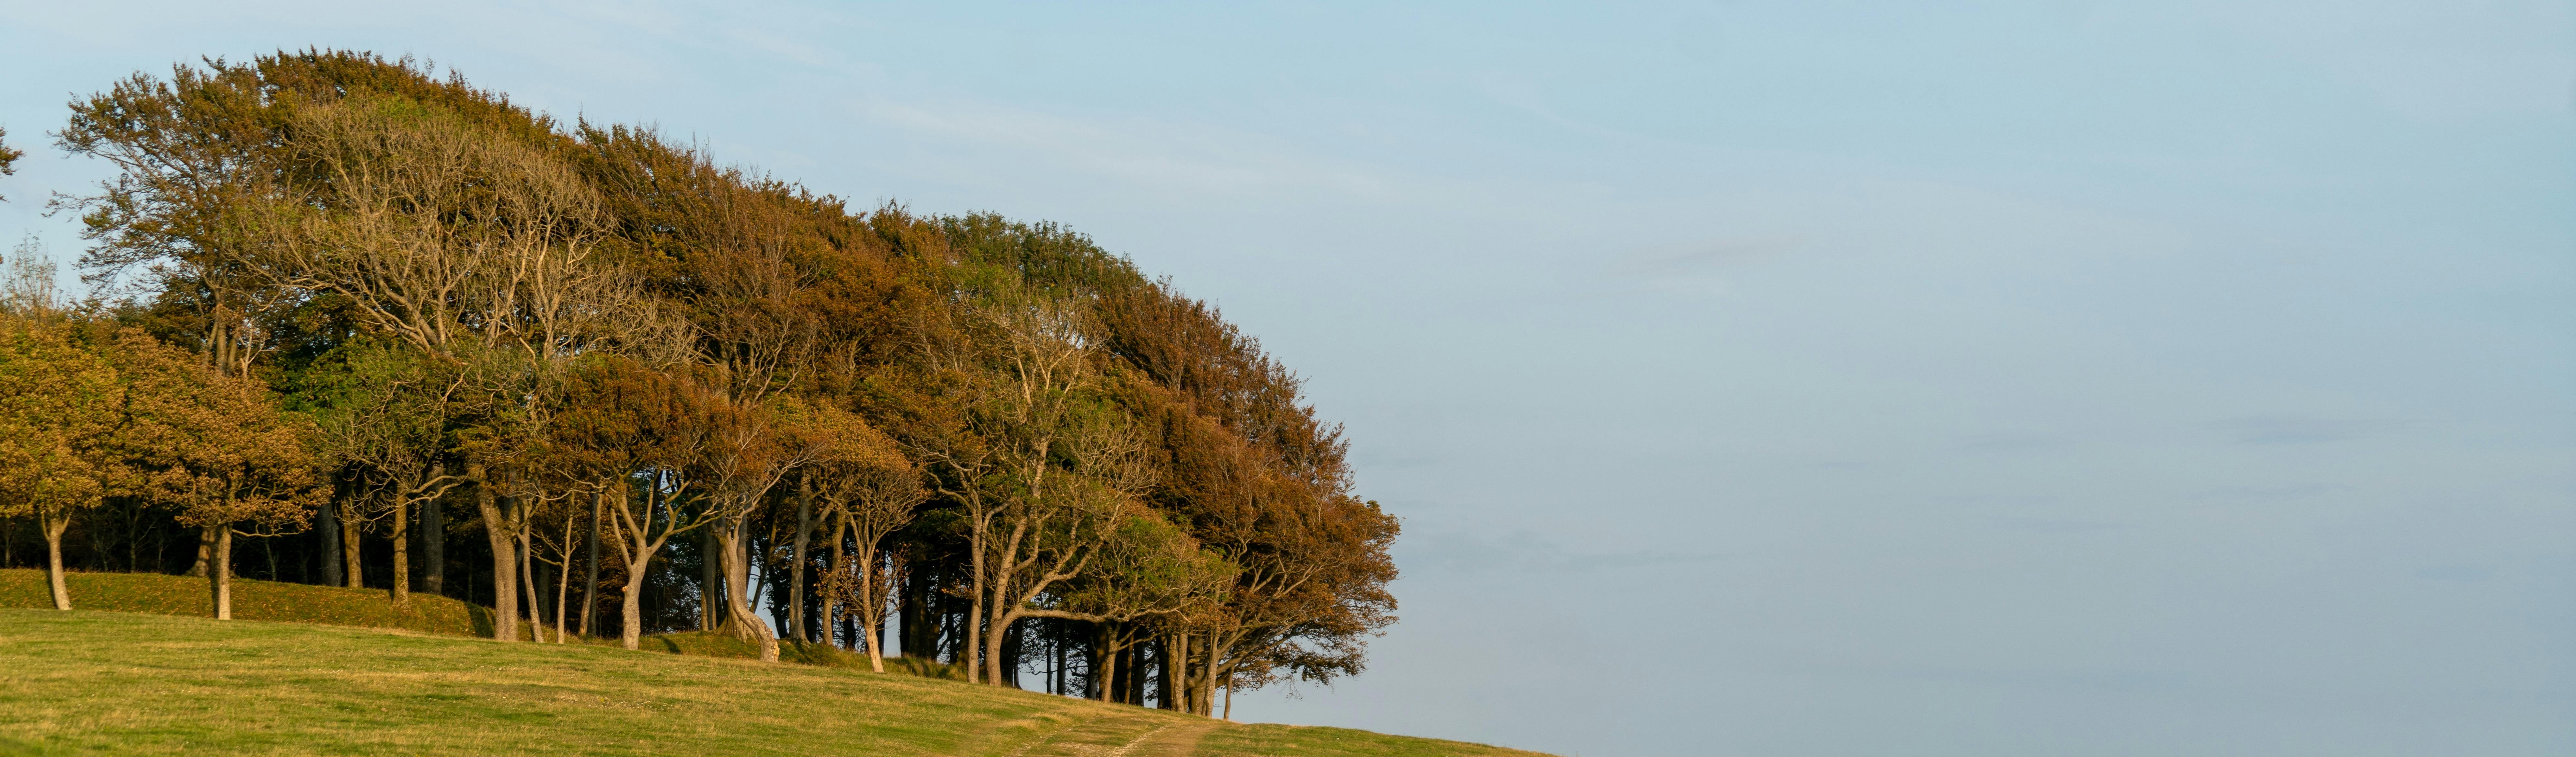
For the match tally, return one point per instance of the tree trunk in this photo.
(54, 524)
(1094, 659)
(631, 634)
(975, 607)
(205, 552)
(402, 549)
(1136, 672)
(711, 589)
(912, 616)
(1104, 674)
(1013, 653)
(505, 579)
(994, 638)
(737, 567)
(433, 547)
(840, 532)
(590, 563)
(796, 570)
(1163, 687)
(1184, 674)
(971, 652)
(1207, 679)
(638, 558)
(328, 531)
(563, 587)
(219, 572)
(527, 555)
(354, 574)
(876, 657)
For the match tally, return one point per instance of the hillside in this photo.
(375, 609)
(252, 600)
(368, 608)
(144, 683)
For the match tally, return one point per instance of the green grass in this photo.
(706, 644)
(373, 608)
(252, 600)
(1308, 741)
(143, 683)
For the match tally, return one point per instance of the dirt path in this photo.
(1141, 736)
(1098, 737)
(1176, 740)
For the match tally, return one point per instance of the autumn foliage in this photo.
(356, 309)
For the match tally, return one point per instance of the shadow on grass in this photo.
(162, 594)
(14, 748)
(715, 644)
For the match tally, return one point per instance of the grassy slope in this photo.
(372, 608)
(252, 600)
(141, 683)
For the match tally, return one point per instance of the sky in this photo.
(1753, 378)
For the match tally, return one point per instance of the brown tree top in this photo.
(215, 448)
(8, 157)
(59, 406)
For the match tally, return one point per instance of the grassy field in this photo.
(136, 683)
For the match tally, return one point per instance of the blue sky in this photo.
(1778, 378)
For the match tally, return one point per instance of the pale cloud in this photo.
(2427, 61)
(1160, 155)
(1529, 552)
(2303, 429)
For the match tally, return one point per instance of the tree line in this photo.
(346, 316)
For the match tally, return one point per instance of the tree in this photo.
(231, 176)
(1041, 469)
(381, 412)
(753, 342)
(59, 405)
(473, 249)
(868, 490)
(1262, 481)
(190, 153)
(1148, 570)
(744, 457)
(631, 427)
(215, 448)
(456, 290)
(8, 157)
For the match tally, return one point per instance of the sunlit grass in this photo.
(135, 683)
(374, 608)
(115, 682)
(1305, 741)
(252, 600)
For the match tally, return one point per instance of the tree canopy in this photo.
(355, 301)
